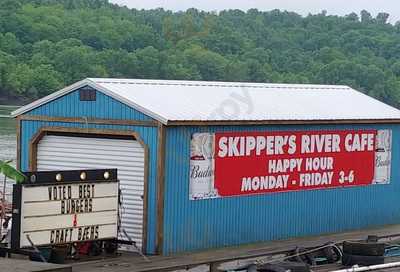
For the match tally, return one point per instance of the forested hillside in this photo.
(47, 44)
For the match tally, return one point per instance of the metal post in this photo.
(214, 267)
(36, 249)
(3, 208)
(134, 244)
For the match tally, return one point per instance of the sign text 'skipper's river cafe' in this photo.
(211, 164)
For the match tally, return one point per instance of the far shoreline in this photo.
(9, 102)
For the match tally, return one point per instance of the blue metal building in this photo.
(148, 128)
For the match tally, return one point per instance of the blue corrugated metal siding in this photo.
(105, 108)
(193, 225)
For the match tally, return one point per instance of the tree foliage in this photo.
(46, 44)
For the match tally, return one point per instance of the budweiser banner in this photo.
(243, 163)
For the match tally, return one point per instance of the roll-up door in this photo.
(55, 152)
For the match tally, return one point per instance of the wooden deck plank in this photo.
(17, 265)
(134, 263)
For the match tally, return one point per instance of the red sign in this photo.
(262, 162)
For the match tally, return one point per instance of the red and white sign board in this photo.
(244, 163)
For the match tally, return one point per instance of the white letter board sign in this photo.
(61, 207)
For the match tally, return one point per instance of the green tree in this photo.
(46, 79)
(119, 63)
(20, 79)
(147, 62)
(75, 63)
(396, 68)
(236, 70)
(210, 65)
(366, 17)
(382, 17)
(9, 43)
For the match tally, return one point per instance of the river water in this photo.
(8, 142)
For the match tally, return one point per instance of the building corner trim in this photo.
(160, 187)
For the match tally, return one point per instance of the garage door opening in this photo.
(92, 150)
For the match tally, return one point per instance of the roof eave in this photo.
(129, 103)
(283, 122)
(49, 98)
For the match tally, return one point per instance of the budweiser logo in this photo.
(197, 172)
(379, 162)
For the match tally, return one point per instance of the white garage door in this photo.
(69, 153)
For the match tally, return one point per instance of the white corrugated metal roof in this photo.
(171, 100)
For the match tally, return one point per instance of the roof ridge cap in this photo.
(232, 84)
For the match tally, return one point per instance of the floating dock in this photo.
(214, 258)
(16, 265)
(210, 259)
